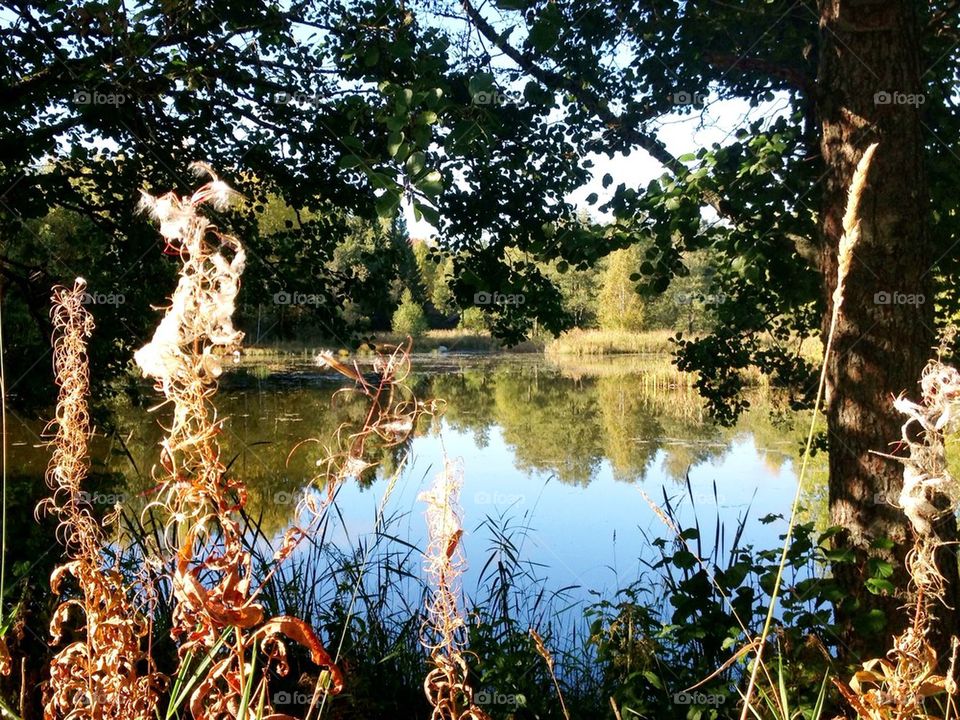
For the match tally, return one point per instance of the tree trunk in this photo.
(868, 88)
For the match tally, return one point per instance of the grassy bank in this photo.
(610, 342)
(431, 342)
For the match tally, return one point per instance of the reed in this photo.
(851, 235)
(5, 659)
(610, 342)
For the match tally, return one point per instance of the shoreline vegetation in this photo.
(575, 342)
(574, 348)
(190, 556)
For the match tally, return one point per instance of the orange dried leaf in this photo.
(5, 661)
(300, 632)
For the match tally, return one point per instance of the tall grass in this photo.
(610, 342)
(851, 236)
(6, 662)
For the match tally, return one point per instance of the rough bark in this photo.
(870, 47)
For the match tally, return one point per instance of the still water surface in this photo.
(559, 449)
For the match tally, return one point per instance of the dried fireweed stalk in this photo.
(896, 686)
(447, 684)
(212, 574)
(392, 413)
(106, 673)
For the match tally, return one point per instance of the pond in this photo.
(557, 456)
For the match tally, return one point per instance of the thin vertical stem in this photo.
(3, 469)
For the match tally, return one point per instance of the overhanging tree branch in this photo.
(649, 143)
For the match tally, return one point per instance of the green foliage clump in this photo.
(620, 307)
(409, 318)
(472, 319)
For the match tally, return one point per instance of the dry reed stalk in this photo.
(851, 224)
(446, 685)
(6, 663)
(896, 686)
(845, 250)
(212, 575)
(97, 676)
(392, 415)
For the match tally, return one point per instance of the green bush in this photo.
(473, 319)
(409, 318)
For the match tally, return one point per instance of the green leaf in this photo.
(653, 679)
(430, 214)
(348, 162)
(415, 164)
(388, 203)
(872, 621)
(545, 32)
(879, 568)
(432, 183)
(394, 140)
(882, 543)
(482, 82)
(879, 586)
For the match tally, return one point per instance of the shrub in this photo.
(409, 318)
(472, 319)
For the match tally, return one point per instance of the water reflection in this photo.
(561, 419)
(559, 446)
